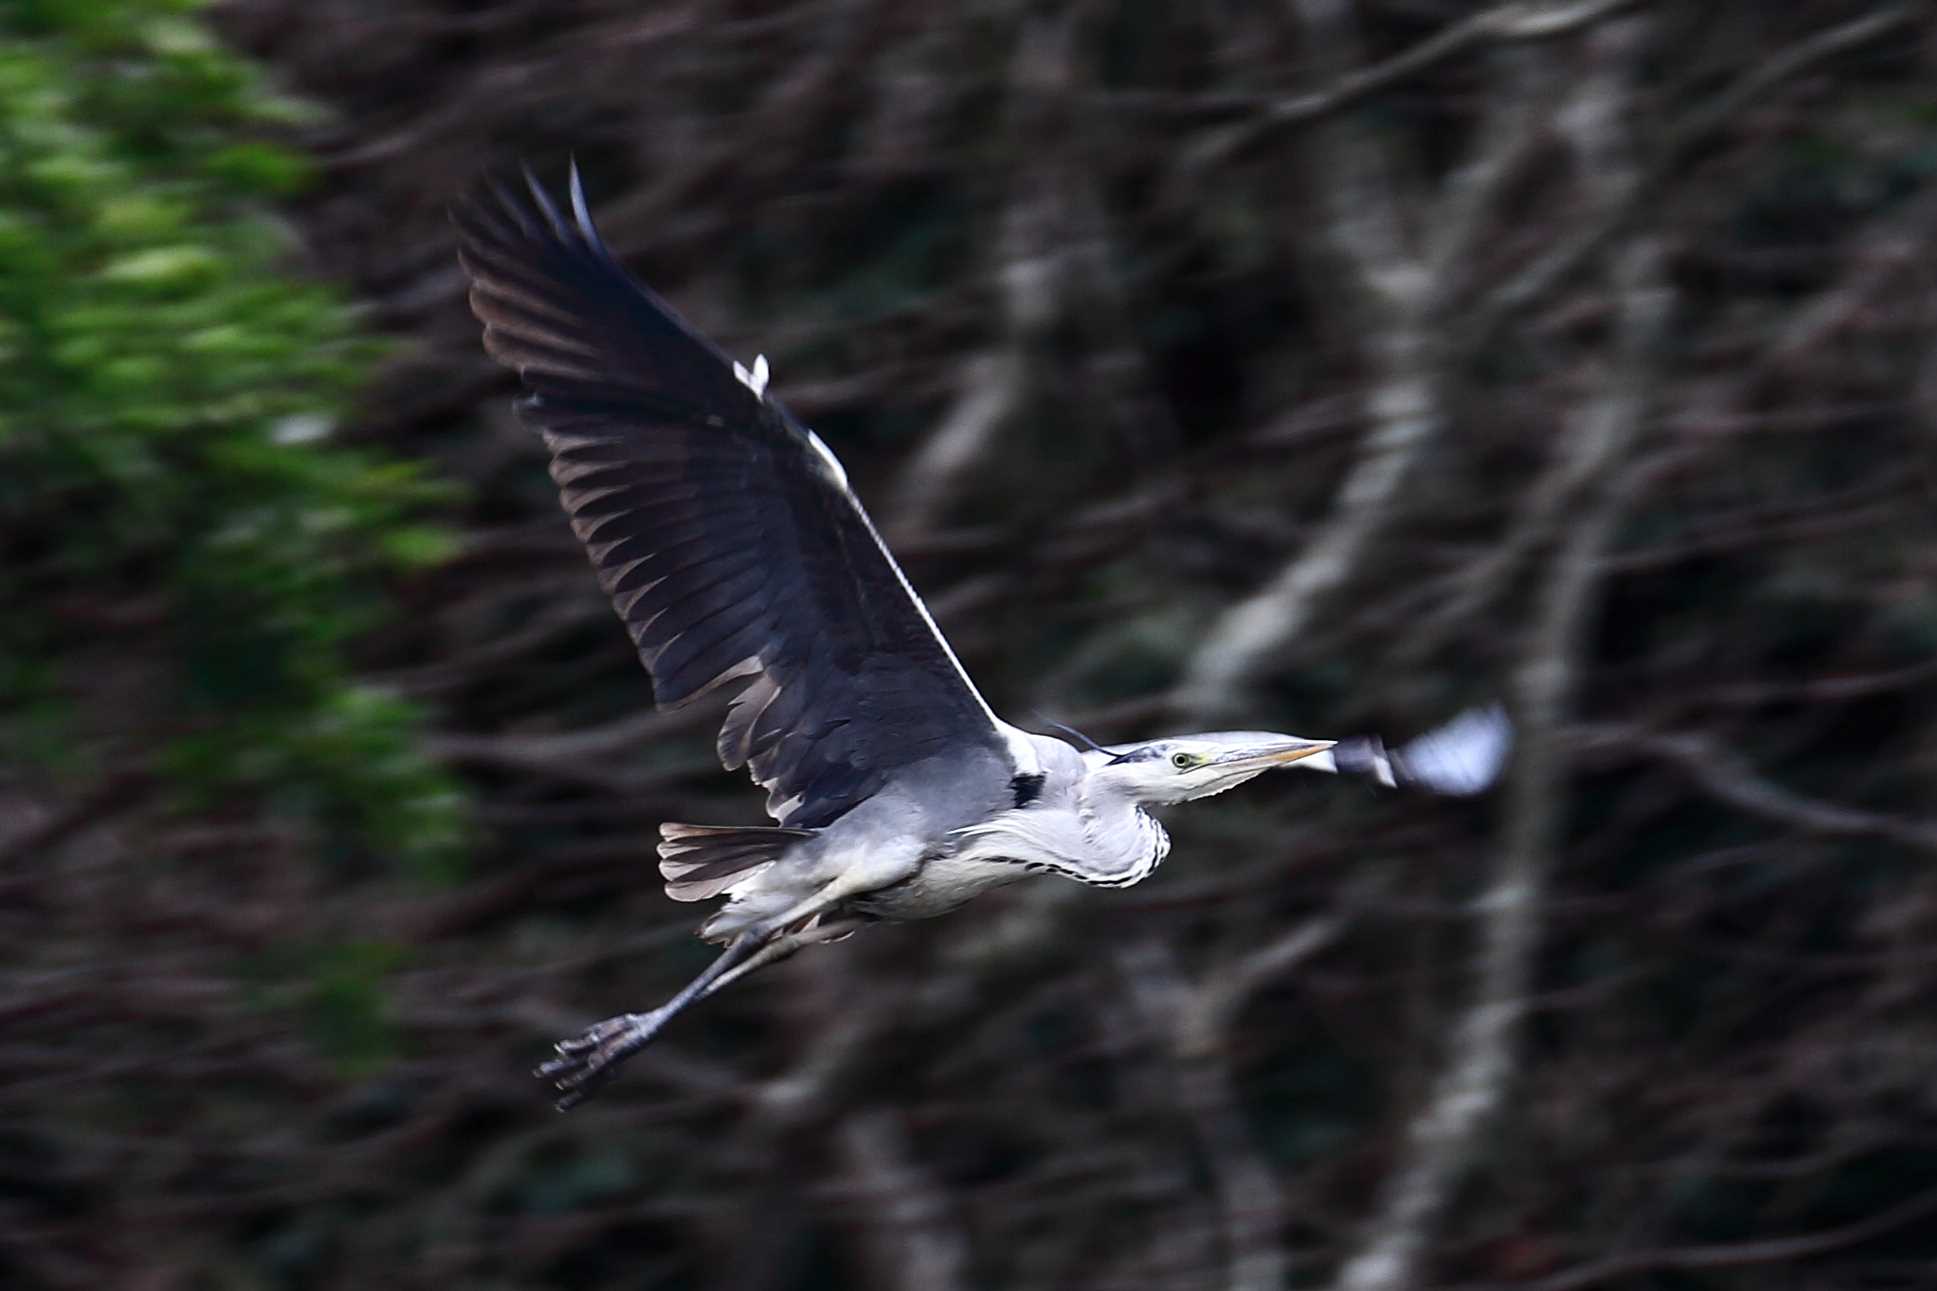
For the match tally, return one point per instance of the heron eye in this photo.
(1183, 761)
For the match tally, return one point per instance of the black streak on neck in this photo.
(1027, 788)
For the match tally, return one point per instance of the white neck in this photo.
(1098, 836)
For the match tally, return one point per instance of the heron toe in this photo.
(587, 1060)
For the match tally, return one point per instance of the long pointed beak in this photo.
(1275, 754)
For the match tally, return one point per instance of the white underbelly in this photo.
(941, 885)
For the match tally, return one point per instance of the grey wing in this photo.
(723, 530)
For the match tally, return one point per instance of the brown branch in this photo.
(1776, 1250)
(1830, 689)
(1517, 21)
(118, 794)
(1534, 283)
(587, 756)
(1726, 776)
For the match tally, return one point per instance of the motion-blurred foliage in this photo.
(167, 397)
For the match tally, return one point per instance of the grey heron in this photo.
(740, 560)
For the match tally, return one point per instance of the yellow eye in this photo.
(1184, 761)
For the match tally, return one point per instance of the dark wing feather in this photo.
(723, 531)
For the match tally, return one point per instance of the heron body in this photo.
(740, 561)
(1062, 821)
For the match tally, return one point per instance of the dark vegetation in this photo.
(1327, 367)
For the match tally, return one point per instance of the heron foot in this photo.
(588, 1059)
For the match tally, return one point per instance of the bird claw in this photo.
(587, 1060)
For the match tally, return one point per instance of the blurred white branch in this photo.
(903, 1217)
(1443, 1138)
(1192, 1018)
(990, 388)
(1032, 272)
(1394, 292)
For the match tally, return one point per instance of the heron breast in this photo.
(942, 884)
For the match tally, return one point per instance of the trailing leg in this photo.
(785, 946)
(587, 1060)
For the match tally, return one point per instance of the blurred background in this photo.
(1322, 365)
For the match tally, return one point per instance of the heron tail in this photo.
(702, 861)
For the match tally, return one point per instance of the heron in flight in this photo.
(740, 560)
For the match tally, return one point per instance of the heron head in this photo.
(1183, 767)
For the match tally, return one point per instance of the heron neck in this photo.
(1118, 826)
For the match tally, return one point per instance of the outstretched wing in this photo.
(722, 529)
